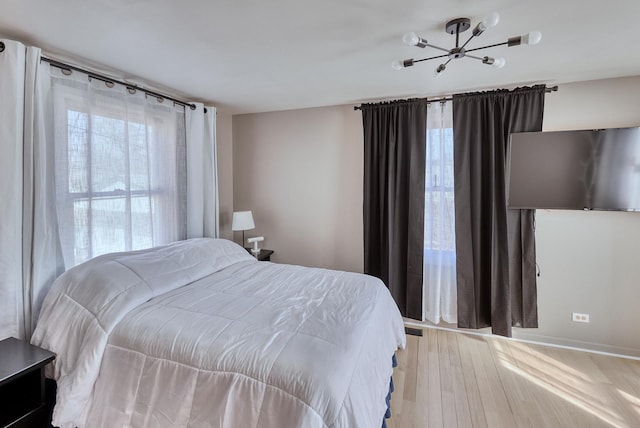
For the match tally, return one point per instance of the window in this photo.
(439, 214)
(120, 165)
(439, 230)
(439, 268)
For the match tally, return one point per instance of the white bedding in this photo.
(200, 334)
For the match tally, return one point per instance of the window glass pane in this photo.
(108, 225)
(82, 244)
(448, 175)
(141, 223)
(108, 154)
(138, 156)
(449, 239)
(433, 144)
(77, 134)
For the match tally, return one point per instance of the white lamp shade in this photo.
(242, 220)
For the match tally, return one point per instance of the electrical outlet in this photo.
(577, 317)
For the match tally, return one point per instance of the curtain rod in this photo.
(106, 79)
(444, 99)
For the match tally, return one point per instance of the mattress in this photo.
(200, 334)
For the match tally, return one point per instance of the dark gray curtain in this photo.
(495, 247)
(394, 168)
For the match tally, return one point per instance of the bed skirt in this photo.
(51, 395)
(387, 415)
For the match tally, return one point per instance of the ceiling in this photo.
(254, 56)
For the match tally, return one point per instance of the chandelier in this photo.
(456, 27)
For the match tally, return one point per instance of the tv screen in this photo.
(583, 170)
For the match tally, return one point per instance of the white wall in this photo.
(301, 173)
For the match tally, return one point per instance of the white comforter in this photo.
(200, 334)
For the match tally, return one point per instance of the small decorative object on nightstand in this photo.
(255, 250)
(22, 390)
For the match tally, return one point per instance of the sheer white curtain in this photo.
(120, 167)
(202, 180)
(439, 233)
(30, 257)
(89, 168)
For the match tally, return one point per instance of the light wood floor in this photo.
(450, 379)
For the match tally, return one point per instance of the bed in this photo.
(199, 334)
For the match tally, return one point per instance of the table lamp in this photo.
(242, 220)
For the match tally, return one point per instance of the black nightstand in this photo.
(264, 256)
(22, 384)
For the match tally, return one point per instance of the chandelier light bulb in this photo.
(411, 39)
(492, 61)
(438, 71)
(397, 65)
(490, 20)
(533, 38)
(498, 62)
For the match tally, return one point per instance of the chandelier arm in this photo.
(479, 58)
(473, 57)
(467, 42)
(432, 57)
(488, 46)
(437, 47)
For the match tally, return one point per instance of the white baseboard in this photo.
(524, 336)
(597, 348)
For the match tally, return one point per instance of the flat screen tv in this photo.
(575, 170)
